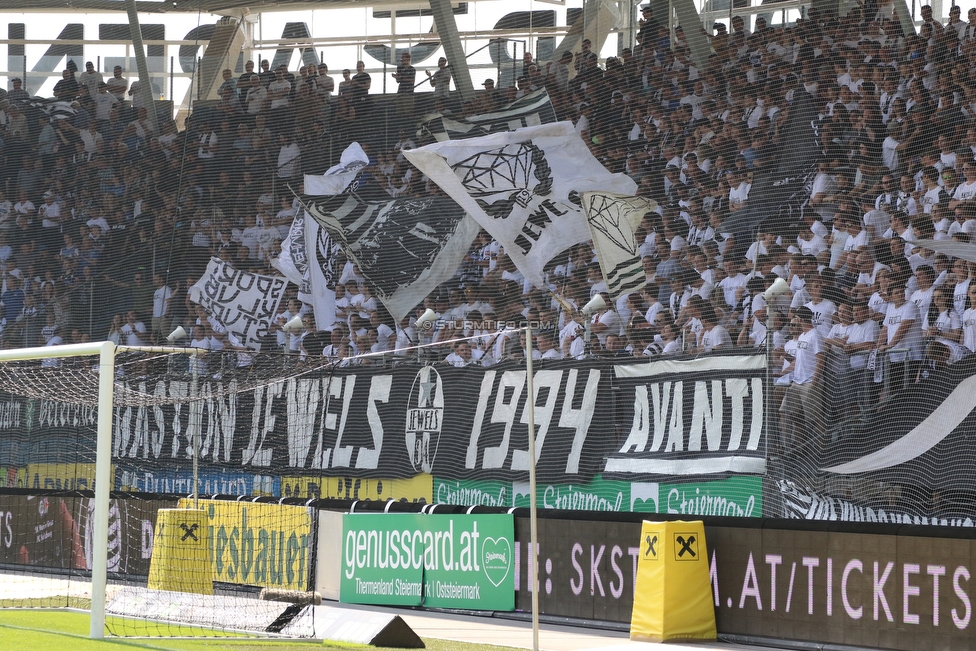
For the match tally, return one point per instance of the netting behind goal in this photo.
(172, 564)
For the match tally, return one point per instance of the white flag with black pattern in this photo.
(613, 220)
(523, 187)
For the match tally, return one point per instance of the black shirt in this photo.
(406, 78)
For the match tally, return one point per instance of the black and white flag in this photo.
(244, 303)
(57, 110)
(403, 247)
(338, 177)
(309, 259)
(529, 111)
(613, 220)
(523, 187)
(293, 259)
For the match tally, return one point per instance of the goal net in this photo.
(158, 563)
(178, 495)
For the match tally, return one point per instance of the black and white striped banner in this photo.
(532, 110)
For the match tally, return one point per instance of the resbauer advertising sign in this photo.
(440, 561)
(258, 544)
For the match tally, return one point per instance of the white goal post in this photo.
(106, 351)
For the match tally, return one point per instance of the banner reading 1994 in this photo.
(439, 561)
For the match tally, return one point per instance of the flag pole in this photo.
(533, 512)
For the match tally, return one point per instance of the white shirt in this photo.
(889, 155)
(965, 191)
(103, 105)
(161, 298)
(715, 338)
(861, 333)
(283, 85)
(969, 329)
(894, 317)
(922, 298)
(823, 315)
(198, 362)
(132, 333)
(808, 346)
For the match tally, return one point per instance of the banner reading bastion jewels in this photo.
(630, 422)
(439, 561)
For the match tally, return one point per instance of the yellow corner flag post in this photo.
(181, 552)
(673, 594)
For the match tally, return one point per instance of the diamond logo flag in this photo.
(613, 219)
(523, 187)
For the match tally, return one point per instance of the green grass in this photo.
(58, 630)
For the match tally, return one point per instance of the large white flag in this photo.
(338, 177)
(243, 302)
(523, 187)
(613, 218)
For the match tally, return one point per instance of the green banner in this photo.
(739, 496)
(472, 492)
(441, 561)
(596, 495)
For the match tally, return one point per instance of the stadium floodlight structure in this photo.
(106, 352)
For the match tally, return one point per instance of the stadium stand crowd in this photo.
(897, 123)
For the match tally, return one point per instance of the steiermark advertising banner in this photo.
(739, 496)
(440, 561)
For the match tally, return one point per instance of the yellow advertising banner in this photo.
(673, 595)
(62, 476)
(414, 489)
(258, 544)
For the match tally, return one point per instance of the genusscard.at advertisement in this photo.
(442, 561)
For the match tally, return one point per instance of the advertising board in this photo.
(258, 543)
(440, 561)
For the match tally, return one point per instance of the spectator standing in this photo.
(360, 83)
(133, 330)
(162, 298)
(67, 88)
(117, 84)
(406, 78)
(90, 79)
(802, 404)
(441, 79)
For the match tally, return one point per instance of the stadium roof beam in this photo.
(904, 18)
(219, 7)
(145, 84)
(223, 51)
(595, 24)
(451, 41)
(697, 42)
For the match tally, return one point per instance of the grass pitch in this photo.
(59, 630)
